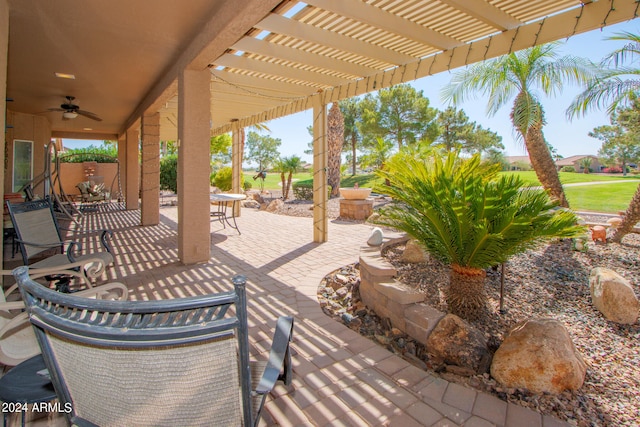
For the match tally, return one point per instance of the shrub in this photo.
(612, 169)
(223, 179)
(303, 190)
(169, 173)
(567, 169)
(90, 154)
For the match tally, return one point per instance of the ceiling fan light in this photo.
(69, 114)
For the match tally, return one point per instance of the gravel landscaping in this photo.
(551, 281)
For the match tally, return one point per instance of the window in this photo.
(22, 163)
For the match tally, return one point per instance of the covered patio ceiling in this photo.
(267, 59)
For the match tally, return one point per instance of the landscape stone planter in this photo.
(354, 203)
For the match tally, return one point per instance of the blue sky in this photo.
(568, 137)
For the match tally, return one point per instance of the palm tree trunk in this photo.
(289, 179)
(283, 183)
(631, 218)
(353, 154)
(543, 164)
(335, 140)
(466, 297)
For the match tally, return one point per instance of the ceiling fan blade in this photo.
(55, 109)
(89, 115)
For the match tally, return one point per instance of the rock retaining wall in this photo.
(390, 298)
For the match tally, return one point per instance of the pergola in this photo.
(185, 71)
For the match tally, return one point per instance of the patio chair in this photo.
(37, 231)
(172, 362)
(17, 340)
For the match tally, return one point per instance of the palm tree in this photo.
(287, 167)
(335, 140)
(469, 217)
(615, 85)
(518, 74)
(351, 116)
(585, 162)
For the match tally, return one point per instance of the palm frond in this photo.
(464, 213)
(609, 91)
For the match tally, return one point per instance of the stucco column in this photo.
(194, 118)
(150, 183)
(236, 164)
(4, 52)
(122, 161)
(132, 185)
(320, 223)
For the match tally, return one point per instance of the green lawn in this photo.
(610, 198)
(272, 182)
(529, 177)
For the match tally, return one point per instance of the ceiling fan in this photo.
(71, 110)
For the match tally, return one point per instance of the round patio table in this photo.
(222, 201)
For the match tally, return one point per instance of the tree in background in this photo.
(517, 75)
(351, 113)
(377, 154)
(585, 163)
(263, 149)
(335, 140)
(457, 133)
(455, 129)
(620, 139)
(399, 113)
(287, 166)
(615, 86)
(483, 140)
(496, 156)
(220, 150)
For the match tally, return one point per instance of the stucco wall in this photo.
(71, 174)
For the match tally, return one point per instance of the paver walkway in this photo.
(340, 377)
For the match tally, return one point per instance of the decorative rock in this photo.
(598, 232)
(252, 204)
(275, 205)
(258, 198)
(342, 292)
(613, 296)
(376, 237)
(373, 217)
(458, 343)
(539, 355)
(614, 222)
(413, 253)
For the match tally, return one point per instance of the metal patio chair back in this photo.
(37, 230)
(170, 362)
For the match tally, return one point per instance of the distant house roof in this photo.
(518, 159)
(570, 161)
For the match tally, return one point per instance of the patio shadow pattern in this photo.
(339, 376)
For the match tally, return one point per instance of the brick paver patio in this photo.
(340, 377)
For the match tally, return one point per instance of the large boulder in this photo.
(458, 343)
(538, 355)
(613, 296)
(413, 253)
(275, 205)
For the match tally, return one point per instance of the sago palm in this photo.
(616, 85)
(468, 217)
(516, 76)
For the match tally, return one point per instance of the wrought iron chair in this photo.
(17, 340)
(37, 231)
(173, 362)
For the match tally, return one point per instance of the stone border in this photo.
(390, 298)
